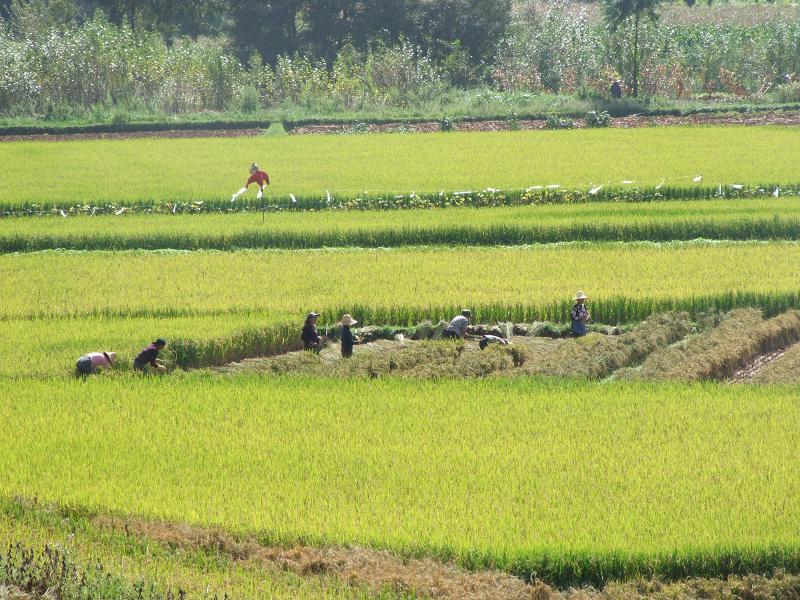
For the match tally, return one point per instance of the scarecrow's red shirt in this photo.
(259, 177)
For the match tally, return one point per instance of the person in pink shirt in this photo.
(91, 363)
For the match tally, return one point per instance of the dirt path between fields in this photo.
(374, 568)
(176, 133)
(753, 119)
(770, 118)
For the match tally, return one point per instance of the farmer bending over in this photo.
(91, 363)
(458, 326)
(580, 314)
(310, 336)
(256, 176)
(148, 358)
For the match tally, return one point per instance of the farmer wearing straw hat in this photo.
(579, 314)
(256, 176)
(91, 363)
(458, 326)
(310, 336)
(348, 339)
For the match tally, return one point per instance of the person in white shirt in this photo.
(491, 339)
(458, 326)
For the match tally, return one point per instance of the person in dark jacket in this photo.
(310, 336)
(148, 358)
(616, 90)
(348, 339)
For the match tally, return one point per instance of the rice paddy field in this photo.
(168, 170)
(255, 470)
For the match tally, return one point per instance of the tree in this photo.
(620, 13)
(28, 17)
(333, 24)
(189, 17)
(267, 27)
(476, 26)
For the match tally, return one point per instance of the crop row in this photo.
(749, 219)
(366, 201)
(386, 282)
(169, 171)
(511, 235)
(565, 482)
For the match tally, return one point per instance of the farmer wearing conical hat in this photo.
(580, 314)
(256, 176)
(310, 336)
(91, 363)
(348, 339)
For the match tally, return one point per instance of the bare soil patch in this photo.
(376, 568)
(767, 118)
(174, 133)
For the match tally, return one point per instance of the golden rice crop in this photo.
(569, 482)
(290, 282)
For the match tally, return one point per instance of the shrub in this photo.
(597, 119)
(120, 117)
(250, 100)
(788, 92)
(556, 122)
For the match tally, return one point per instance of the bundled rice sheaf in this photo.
(738, 339)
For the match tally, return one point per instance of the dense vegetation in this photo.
(110, 61)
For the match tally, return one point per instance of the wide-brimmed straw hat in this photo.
(254, 167)
(580, 296)
(111, 356)
(312, 314)
(347, 320)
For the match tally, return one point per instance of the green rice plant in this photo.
(152, 171)
(716, 354)
(452, 469)
(731, 219)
